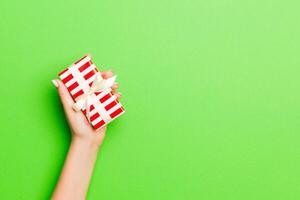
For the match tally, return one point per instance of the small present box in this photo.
(91, 93)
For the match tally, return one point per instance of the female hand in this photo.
(79, 125)
(77, 171)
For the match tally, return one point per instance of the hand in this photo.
(79, 125)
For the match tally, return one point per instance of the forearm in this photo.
(76, 173)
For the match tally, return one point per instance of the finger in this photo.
(115, 87)
(107, 74)
(65, 97)
(118, 95)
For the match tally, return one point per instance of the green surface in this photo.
(210, 88)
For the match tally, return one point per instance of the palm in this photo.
(79, 124)
(81, 128)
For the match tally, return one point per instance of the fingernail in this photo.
(55, 83)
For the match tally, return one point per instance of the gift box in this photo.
(91, 93)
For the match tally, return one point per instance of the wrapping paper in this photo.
(103, 105)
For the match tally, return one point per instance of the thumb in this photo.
(65, 97)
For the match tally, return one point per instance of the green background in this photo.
(210, 88)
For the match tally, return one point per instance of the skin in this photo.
(76, 174)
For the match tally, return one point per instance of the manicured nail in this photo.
(55, 83)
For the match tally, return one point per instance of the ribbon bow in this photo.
(99, 85)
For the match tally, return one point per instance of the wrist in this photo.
(85, 143)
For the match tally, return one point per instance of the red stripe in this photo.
(67, 79)
(80, 59)
(95, 116)
(73, 86)
(91, 83)
(116, 113)
(103, 99)
(99, 124)
(89, 75)
(97, 93)
(63, 72)
(84, 66)
(110, 105)
(91, 108)
(80, 92)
